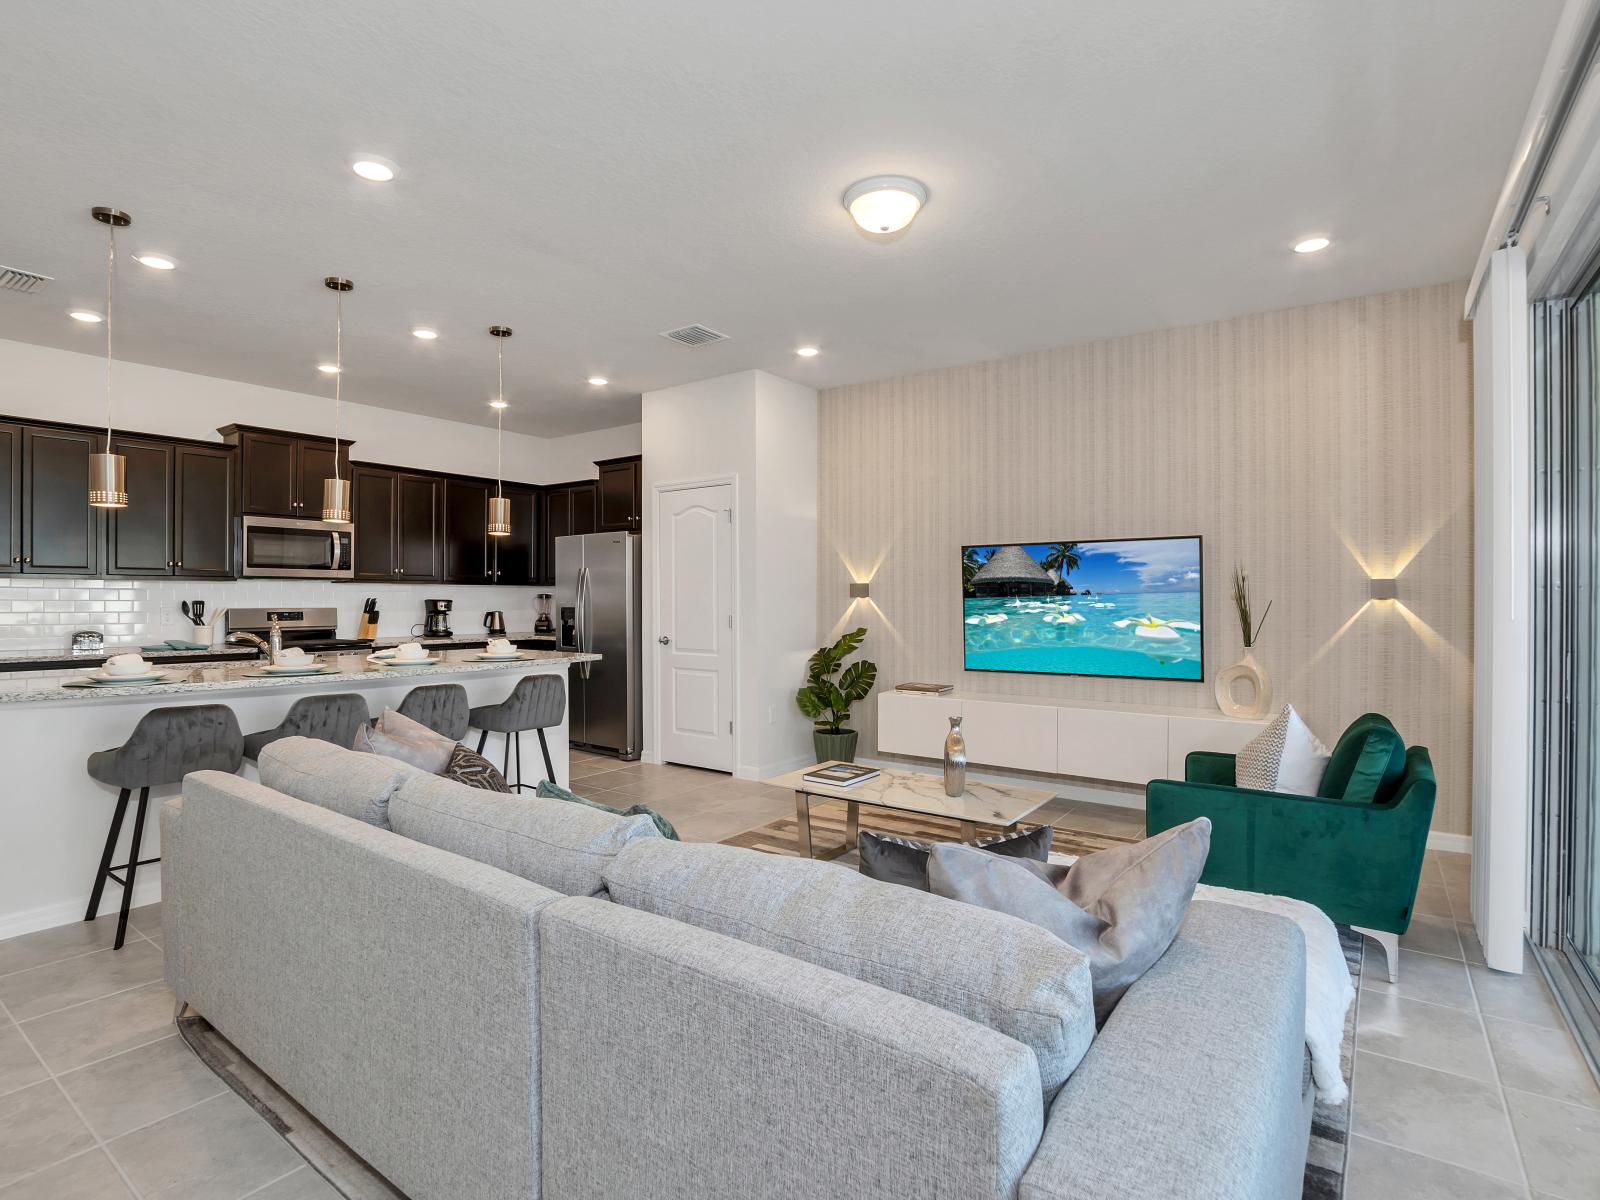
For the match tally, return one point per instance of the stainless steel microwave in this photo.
(285, 548)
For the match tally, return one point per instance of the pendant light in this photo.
(499, 506)
(336, 491)
(108, 472)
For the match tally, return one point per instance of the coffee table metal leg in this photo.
(969, 832)
(802, 818)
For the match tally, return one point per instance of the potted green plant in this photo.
(826, 701)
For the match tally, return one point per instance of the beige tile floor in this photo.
(1467, 1084)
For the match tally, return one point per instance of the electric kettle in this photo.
(494, 623)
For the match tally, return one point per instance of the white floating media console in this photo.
(1116, 742)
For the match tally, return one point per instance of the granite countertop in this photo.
(236, 676)
(44, 660)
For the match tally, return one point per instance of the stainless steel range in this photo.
(308, 628)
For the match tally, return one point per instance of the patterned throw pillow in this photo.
(473, 769)
(1284, 757)
(905, 861)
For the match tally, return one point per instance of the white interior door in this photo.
(695, 627)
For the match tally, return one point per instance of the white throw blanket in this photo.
(1328, 987)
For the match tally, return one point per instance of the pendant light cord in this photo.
(111, 274)
(338, 376)
(499, 414)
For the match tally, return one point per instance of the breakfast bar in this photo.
(50, 724)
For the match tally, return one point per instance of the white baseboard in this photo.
(1457, 843)
(145, 891)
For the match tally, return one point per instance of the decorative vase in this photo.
(1249, 672)
(955, 760)
(838, 747)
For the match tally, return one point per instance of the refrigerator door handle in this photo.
(583, 615)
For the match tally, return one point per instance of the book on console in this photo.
(931, 689)
(841, 775)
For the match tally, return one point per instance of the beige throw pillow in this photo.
(394, 735)
(1120, 907)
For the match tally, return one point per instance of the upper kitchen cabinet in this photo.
(568, 508)
(179, 519)
(58, 528)
(516, 556)
(466, 536)
(10, 499)
(617, 508)
(397, 519)
(281, 473)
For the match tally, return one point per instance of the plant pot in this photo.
(840, 746)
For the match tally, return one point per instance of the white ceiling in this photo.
(594, 173)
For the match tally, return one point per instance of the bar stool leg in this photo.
(483, 737)
(549, 768)
(133, 867)
(505, 768)
(105, 857)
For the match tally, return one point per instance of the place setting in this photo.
(291, 661)
(405, 655)
(500, 649)
(125, 670)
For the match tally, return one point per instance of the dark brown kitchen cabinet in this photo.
(397, 525)
(516, 557)
(617, 493)
(59, 529)
(466, 537)
(568, 508)
(281, 473)
(179, 519)
(202, 511)
(10, 499)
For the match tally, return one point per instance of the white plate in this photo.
(124, 681)
(312, 668)
(105, 677)
(404, 662)
(484, 656)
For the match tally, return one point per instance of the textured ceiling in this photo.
(594, 173)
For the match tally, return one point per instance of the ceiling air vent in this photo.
(694, 335)
(14, 280)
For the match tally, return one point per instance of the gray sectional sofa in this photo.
(493, 997)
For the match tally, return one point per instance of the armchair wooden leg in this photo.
(1391, 949)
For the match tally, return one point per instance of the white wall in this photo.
(61, 385)
(761, 432)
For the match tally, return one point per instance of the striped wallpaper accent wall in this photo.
(1316, 446)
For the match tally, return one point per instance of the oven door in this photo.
(288, 549)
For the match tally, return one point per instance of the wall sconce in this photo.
(859, 591)
(1385, 589)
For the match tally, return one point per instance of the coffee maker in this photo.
(437, 622)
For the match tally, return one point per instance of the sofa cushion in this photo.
(1002, 973)
(1367, 763)
(343, 781)
(562, 846)
(554, 791)
(905, 860)
(1121, 906)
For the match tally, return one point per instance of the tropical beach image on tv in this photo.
(1128, 608)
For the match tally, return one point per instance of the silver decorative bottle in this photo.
(955, 760)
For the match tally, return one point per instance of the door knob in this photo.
(664, 640)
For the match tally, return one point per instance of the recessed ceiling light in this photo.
(885, 203)
(156, 262)
(498, 404)
(328, 368)
(374, 169)
(1311, 245)
(426, 335)
(807, 351)
(598, 381)
(83, 314)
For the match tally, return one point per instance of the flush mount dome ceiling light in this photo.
(156, 262)
(84, 315)
(1311, 245)
(807, 351)
(885, 203)
(598, 381)
(425, 334)
(373, 169)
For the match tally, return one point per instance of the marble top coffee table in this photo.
(911, 791)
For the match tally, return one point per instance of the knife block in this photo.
(367, 627)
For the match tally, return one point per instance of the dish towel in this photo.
(1328, 987)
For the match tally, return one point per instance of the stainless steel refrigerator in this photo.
(598, 607)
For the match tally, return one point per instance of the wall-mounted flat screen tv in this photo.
(1128, 608)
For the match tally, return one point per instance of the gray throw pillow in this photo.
(395, 735)
(1121, 907)
(905, 861)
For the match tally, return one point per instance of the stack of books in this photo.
(841, 775)
(930, 689)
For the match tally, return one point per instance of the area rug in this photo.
(1329, 1152)
(346, 1172)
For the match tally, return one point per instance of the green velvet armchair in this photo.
(1354, 850)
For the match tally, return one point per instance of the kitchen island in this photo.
(56, 816)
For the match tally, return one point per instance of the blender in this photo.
(542, 623)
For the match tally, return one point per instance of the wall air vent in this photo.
(13, 279)
(694, 335)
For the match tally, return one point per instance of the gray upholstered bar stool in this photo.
(333, 719)
(442, 707)
(537, 702)
(166, 745)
